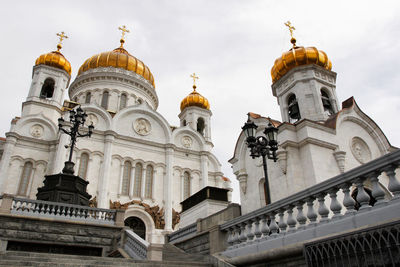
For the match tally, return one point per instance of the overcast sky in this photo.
(230, 44)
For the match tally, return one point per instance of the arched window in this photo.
(47, 88)
(26, 175)
(328, 109)
(186, 185)
(122, 103)
(200, 125)
(293, 109)
(148, 190)
(83, 165)
(137, 187)
(126, 178)
(88, 97)
(104, 100)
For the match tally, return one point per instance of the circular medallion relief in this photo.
(186, 141)
(37, 131)
(91, 119)
(142, 126)
(360, 150)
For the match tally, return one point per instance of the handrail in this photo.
(134, 245)
(183, 232)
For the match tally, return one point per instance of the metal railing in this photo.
(311, 208)
(134, 245)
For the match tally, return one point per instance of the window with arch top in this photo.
(137, 186)
(47, 88)
(148, 189)
(122, 102)
(326, 102)
(83, 165)
(293, 109)
(186, 185)
(88, 97)
(200, 125)
(104, 100)
(126, 178)
(25, 177)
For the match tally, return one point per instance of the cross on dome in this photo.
(124, 30)
(291, 29)
(194, 77)
(62, 37)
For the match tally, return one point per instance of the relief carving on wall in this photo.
(360, 150)
(91, 120)
(37, 131)
(186, 141)
(142, 126)
(155, 212)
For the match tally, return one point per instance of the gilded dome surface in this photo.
(54, 59)
(195, 99)
(118, 58)
(298, 56)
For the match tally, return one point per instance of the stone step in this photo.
(15, 258)
(171, 252)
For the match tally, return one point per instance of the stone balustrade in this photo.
(134, 245)
(323, 209)
(59, 211)
(183, 233)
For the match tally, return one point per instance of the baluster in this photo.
(13, 205)
(291, 220)
(264, 226)
(394, 185)
(36, 208)
(335, 205)
(242, 236)
(362, 196)
(250, 234)
(273, 226)
(257, 230)
(47, 211)
(322, 209)
(282, 224)
(311, 214)
(231, 232)
(301, 218)
(236, 236)
(73, 214)
(348, 201)
(78, 213)
(377, 191)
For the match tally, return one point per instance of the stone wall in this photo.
(44, 231)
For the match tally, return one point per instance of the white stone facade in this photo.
(128, 132)
(313, 149)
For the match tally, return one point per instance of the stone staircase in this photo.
(171, 253)
(171, 258)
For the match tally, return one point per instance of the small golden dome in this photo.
(54, 59)
(118, 58)
(195, 99)
(298, 56)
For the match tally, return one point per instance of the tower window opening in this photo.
(293, 109)
(104, 100)
(126, 178)
(328, 109)
(200, 125)
(47, 88)
(25, 177)
(137, 186)
(88, 97)
(186, 185)
(122, 103)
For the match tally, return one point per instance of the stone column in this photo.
(104, 175)
(204, 169)
(60, 158)
(169, 154)
(5, 161)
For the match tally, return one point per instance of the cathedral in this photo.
(134, 159)
(317, 138)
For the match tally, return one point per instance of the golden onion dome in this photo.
(195, 99)
(55, 59)
(118, 58)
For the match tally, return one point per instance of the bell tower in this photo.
(50, 78)
(304, 83)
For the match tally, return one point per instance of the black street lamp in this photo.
(264, 146)
(77, 118)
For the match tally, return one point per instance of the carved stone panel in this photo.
(91, 119)
(37, 131)
(360, 150)
(142, 126)
(186, 141)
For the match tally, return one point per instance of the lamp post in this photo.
(77, 118)
(264, 146)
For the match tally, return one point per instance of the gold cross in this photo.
(62, 37)
(291, 28)
(124, 30)
(194, 77)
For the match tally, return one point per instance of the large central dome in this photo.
(118, 58)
